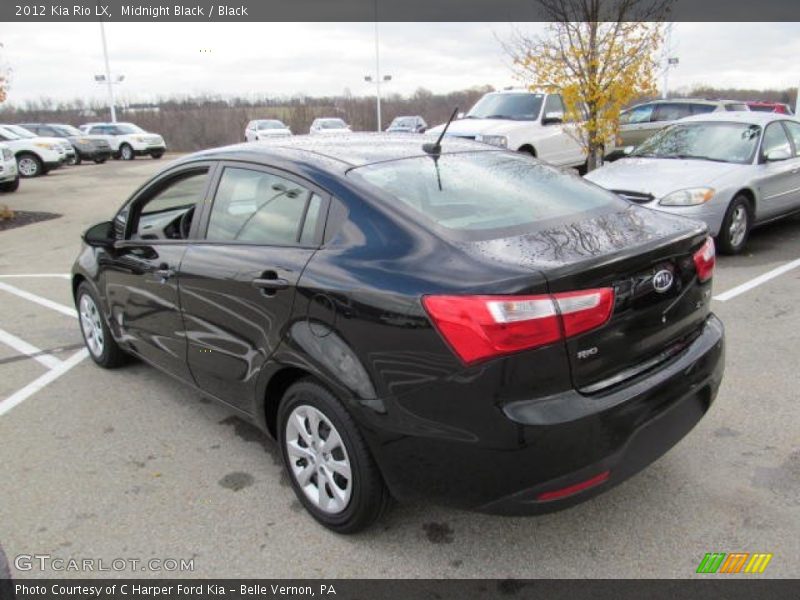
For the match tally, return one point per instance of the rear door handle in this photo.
(270, 284)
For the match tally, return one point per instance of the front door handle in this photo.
(270, 284)
(164, 272)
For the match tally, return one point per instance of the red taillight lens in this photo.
(480, 327)
(704, 261)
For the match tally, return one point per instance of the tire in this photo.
(126, 152)
(78, 160)
(10, 186)
(733, 233)
(106, 353)
(100, 161)
(364, 497)
(29, 165)
(157, 155)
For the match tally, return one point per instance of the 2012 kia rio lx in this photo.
(463, 324)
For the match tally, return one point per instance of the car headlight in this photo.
(141, 139)
(83, 141)
(688, 197)
(494, 140)
(47, 146)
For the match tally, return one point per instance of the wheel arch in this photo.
(529, 148)
(278, 383)
(750, 195)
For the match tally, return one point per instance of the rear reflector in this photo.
(574, 488)
(704, 260)
(481, 327)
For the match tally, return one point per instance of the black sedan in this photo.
(460, 323)
(87, 147)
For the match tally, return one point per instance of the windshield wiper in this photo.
(696, 157)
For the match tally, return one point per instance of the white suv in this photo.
(327, 126)
(265, 129)
(127, 140)
(9, 176)
(522, 120)
(34, 155)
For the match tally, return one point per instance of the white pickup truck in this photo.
(525, 121)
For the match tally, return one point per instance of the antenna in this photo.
(436, 148)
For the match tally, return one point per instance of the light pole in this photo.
(107, 77)
(671, 61)
(377, 81)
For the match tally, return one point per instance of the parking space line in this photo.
(37, 384)
(23, 347)
(34, 275)
(67, 310)
(749, 285)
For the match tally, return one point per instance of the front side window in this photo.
(716, 141)
(168, 213)
(554, 103)
(637, 114)
(775, 140)
(794, 133)
(484, 191)
(262, 208)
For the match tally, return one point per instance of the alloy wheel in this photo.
(738, 226)
(28, 166)
(91, 325)
(318, 459)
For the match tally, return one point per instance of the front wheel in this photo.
(126, 152)
(10, 186)
(330, 467)
(29, 165)
(97, 336)
(157, 155)
(736, 226)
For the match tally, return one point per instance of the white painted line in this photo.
(749, 285)
(67, 310)
(39, 383)
(23, 347)
(34, 275)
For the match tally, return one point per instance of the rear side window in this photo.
(484, 191)
(734, 106)
(262, 208)
(701, 109)
(671, 111)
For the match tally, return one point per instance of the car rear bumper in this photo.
(562, 441)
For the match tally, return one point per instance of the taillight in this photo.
(480, 327)
(704, 260)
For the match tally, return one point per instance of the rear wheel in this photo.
(10, 186)
(126, 152)
(157, 155)
(96, 335)
(736, 226)
(29, 165)
(331, 469)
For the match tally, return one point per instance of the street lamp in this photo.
(377, 80)
(107, 77)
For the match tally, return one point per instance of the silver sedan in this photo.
(733, 170)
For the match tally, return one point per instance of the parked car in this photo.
(127, 140)
(86, 147)
(35, 156)
(265, 129)
(776, 107)
(407, 125)
(462, 323)
(731, 170)
(327, 126)
(644, 120)
(9, 176)
(69, 152)
(521, 120)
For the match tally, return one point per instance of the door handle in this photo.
(270, 284)
(164, 272)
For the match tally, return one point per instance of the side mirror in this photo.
(551, 118)
(777, 154)
(100, 235)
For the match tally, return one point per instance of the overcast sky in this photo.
(58, 60)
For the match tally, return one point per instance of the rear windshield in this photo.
(485, 191)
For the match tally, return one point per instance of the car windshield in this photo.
(720, 142)
(484, 191)
(68, 130)
(129, 128)
(20, 131)
(332, 124)
(271, 125)
(519, 107)
(404, 122)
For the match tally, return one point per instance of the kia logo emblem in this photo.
(662, 281)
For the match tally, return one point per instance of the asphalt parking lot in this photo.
(130, 464)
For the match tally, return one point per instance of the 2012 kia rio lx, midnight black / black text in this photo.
(467, 325)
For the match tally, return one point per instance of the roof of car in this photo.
(754, 117)
(340, 152)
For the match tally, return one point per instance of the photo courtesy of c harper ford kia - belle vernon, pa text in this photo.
(420, 300)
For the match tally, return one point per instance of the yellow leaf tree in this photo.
(600, 55)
